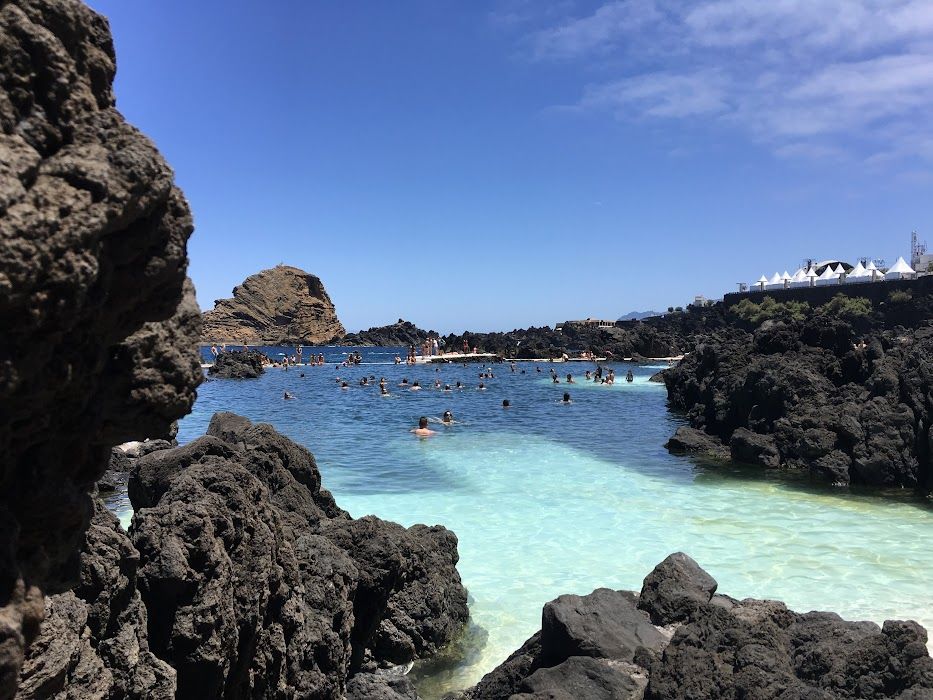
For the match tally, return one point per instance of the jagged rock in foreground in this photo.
(259, 585)
(814, 396)
(679, 639)
(94, 641)
(237, 364)
(282, 305)
(97, 328)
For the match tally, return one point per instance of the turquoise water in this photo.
(549, 498)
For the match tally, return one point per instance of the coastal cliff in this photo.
(279, 306)
(99, 327)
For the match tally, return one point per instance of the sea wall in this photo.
(876, 292)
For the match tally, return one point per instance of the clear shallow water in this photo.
(548, 499)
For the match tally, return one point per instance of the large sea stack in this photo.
(282, 305)
(98, 327)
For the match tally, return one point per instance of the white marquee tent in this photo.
(899, 270)
(829, 276)
(858, 274)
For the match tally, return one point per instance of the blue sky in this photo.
(490, 165)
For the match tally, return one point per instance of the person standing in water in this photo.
(629, 377)
(423, 430)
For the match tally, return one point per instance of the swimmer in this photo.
(538, 368)
(404, 382)
(570, 379)
(555, 380)
(482, 387)
(459, 385)
(288, 396)
(437, 383)
(505, 403)
(566, 398)
(415, 387)
(447, 387)
(383, 391)
(423, 430)
(586, 375)
(630, 377)
(302, 375)
(448, 418)
(344, 385)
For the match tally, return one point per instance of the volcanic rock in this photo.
(237, 364)
(94, 640)
(687, 440)
(98, 327)
(400, 334)
(804, 396)
(282, 305)
(604, 624)
(711, 646)
(256, 580)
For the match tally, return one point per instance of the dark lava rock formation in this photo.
(814, 395)
(679, 639)
(99, 329)
(660, 336)
(258, 585)
(400, 334)
(94, 640)
(237, 364)
(280, 306)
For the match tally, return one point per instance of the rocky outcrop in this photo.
(677, 638)
(400, 334)
(98, 328)
(660, 336)
(94, 641)
(257, 583)
(282, 305)
(237, 364)
(813, 395)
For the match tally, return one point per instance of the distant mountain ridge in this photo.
(638, 315)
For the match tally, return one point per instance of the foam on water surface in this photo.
(548, 498)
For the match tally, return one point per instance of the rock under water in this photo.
(282, 305)
(678, 638)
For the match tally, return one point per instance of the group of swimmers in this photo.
(422, 430)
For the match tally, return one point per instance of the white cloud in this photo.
(661, 95)
(813, 78)
(604, 28)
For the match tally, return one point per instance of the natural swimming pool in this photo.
(548, 498)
